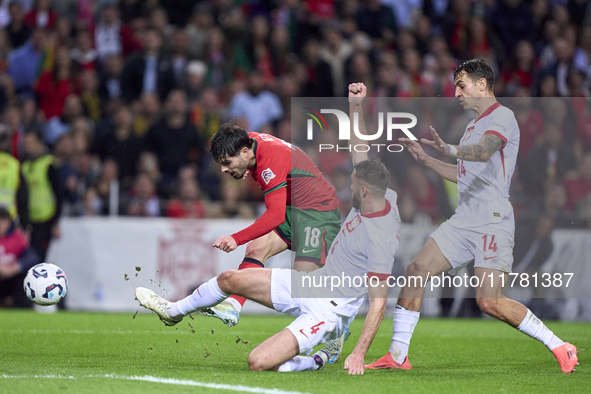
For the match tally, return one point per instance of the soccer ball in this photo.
(45, 284)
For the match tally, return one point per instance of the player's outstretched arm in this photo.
(482, 151)
(357, 91)
(444, 170)
(355, 363)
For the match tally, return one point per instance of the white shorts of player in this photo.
(489, 246)
(316, 321)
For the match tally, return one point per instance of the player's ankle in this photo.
(174, 312)
(235, 303)
(399, 351)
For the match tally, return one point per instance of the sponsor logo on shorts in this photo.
(490, 257)
(308, 250)
(267, 175)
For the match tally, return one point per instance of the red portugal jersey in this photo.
(280, 164)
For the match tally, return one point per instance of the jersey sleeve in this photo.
(502, 126)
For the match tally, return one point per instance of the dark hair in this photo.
(476, 69)
(228, 141)
(4, 214)
(375, 174)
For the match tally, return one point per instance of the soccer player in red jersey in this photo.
(302, 207)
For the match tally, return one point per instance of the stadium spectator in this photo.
(83, 54)
(512, 21)
(54, 86)
(198, 28)
(143, 199)
(113, 37)
(174, 139)
(59, 125)
(110, 79)
(257, 105)
(149, 70)
(410, 212)
(179, 56)
(29, 115)
(578, 184)
(16, 257)
(377, 21)
(90, 96)
(319, 81)
(422, 190)
(546, 162)
(335, 51)
(189, 204)
(133, 9)
(12, 118)
(521, 69)
(41, 15)
(121, 145)
(530, 121)
(18, 31)
(560, 64)
(24, 62)
(231, 204)
(196, 72)
(281, 53)
(93, 205)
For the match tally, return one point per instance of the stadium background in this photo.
(127, 94)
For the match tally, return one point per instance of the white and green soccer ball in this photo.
(45, 284)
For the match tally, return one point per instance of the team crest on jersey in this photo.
(267, 175)
(353, 223)
(468, 133)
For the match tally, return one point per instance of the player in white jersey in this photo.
(482, 229)
(363, 251)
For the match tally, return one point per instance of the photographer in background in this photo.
(16, 257)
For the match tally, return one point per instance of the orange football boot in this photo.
(387, 362)
(566, 355)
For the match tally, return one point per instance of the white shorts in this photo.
(316, 321)
(488, 246)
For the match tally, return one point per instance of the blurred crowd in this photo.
(126, 94)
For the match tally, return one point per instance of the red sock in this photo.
(247, 263)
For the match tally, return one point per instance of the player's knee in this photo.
(415, 269)
(226, 281)
(256, 363)
(488, 305)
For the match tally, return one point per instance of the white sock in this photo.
(235, 304)
(299, 363)
(403, 326)
(534, 327)
(208, 294)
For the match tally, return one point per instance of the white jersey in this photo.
(483, 188)
(364, 248)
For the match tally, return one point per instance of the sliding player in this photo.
(483, 226)
(365, 246)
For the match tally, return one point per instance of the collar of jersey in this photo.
(383, 212)
(488, 111)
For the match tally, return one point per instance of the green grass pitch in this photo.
(100, 353)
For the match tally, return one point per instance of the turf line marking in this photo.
(154, 379)
(212, 385)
